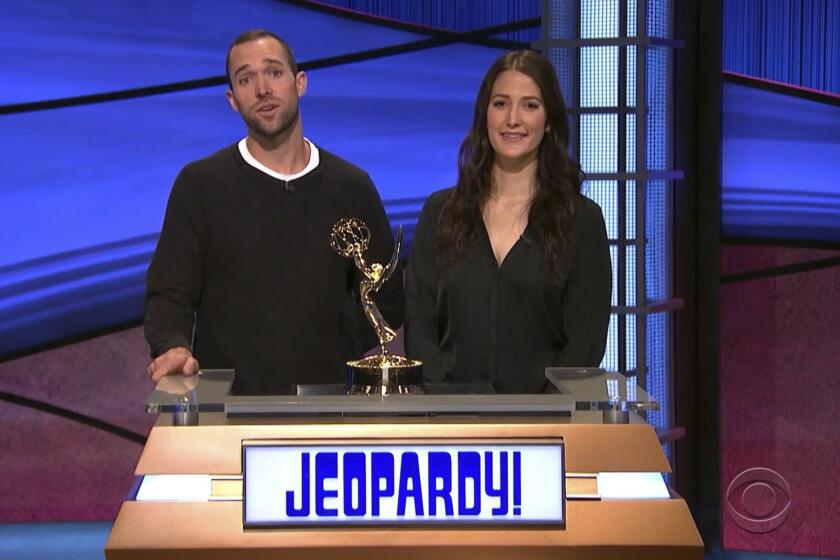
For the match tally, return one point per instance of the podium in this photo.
(190, 501)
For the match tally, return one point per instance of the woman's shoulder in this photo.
(590, 224)
(434, 204)
(438, 198)
(588, 206)
(588, 210)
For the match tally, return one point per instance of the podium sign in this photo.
(381, 484)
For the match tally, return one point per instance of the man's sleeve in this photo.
(174, 278)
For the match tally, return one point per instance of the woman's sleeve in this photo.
(586, 307)
(422, 338)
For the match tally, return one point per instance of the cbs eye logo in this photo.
(759, 500)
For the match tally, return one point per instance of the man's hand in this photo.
(175, 360)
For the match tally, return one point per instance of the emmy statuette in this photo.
(382, 373)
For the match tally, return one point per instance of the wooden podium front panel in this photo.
(595, 529)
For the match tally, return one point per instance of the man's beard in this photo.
(276, 128)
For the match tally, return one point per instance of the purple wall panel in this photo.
(55, 469)
(58, 470)
(780, 416)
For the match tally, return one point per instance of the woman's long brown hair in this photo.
(552, 211)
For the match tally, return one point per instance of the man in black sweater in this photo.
(243, 276)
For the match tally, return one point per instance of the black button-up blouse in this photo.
(476, 321)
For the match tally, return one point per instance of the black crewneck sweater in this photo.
(245, 260)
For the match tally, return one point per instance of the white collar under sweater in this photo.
(314, 160)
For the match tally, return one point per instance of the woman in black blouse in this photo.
(510, 269)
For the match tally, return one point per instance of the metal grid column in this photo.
(613, 59)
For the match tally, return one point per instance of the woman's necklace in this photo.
(511, 200)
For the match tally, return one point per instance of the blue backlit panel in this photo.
(657, 209)
(630, 340)
(599, 143)
(631, 76)
(659, 356)
(659, 19)
(610, 360)
(780, 165)
(659, 64)
(630, 214)
(657, 287)
(600, 65)
(599, 19)
(605, 194)
(630, 275)
(657, 232)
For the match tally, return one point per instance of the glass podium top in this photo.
(571, 389)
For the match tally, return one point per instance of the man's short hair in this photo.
(253, 35)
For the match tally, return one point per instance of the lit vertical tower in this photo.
(614, 59)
